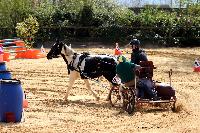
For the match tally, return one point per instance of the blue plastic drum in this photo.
(11, 100)
(5, 75)
(3, 66)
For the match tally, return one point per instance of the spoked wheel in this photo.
(128, 100)
(115, 99)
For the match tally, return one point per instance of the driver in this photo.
(125, 70)
(137, 54)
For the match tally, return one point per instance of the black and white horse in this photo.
(84, 65)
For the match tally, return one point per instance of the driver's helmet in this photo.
(135, 42)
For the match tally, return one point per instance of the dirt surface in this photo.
(45, 82)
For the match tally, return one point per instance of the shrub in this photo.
(27, 30)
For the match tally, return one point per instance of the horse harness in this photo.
(81, 58)
(70, 65)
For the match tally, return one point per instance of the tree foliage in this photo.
(103, 19)
(14, 11)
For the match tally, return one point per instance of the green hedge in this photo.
(103, 19)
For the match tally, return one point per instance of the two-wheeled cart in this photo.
(127, 97)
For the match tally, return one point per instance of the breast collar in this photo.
(70, 65)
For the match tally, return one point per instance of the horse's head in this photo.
(59, 48)
(67, 50)
(55, 50)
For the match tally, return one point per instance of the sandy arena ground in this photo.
(45, 82)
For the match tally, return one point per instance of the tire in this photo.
(115, 98)
(128, 101)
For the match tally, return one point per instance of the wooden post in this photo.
(170, 74)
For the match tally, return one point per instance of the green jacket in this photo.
(125, 70)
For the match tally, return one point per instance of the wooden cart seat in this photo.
(147, 69)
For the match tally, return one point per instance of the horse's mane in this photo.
(85, 53)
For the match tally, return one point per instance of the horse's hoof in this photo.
(98, 98)
(108, 98)
(66, 99)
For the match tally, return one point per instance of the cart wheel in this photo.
(130, 108)
(115, 99)
(129, 101)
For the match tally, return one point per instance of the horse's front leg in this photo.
(72, 77)
(88, 86)
(109, 93)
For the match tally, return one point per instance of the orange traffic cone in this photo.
(196, 67)
(117, 50)
(25, 101)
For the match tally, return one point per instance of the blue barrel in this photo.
(3, 66)
(5, 75)
(11, 100)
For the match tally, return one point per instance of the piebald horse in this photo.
(84, 65)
